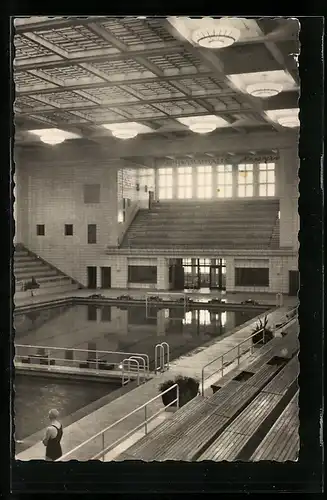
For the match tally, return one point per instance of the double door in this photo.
(92, 283)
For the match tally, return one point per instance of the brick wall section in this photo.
(55, 197)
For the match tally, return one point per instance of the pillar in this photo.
(287, 190)
(162, 273)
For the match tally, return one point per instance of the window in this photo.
(146, 178)
(92, 193)
(40, 230)
(92, 233)
(184, 182)
(224, 181)
(165, 181)
(204, 266)
(142, 274)
(245, 180)
(204, 182)
(68, 229)
(251, 276)
(266, 179)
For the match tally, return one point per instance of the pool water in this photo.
(35, 396)
(129, 329)
(132, 329)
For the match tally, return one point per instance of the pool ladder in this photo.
(161, 357)
(138, 364)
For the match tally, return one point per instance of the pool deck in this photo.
(188, 365)
(263, 298)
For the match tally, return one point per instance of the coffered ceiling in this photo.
(78, 74)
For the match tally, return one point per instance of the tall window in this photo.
(204, 182)
(266, 179)
(184, 182)
(146, 178)
(224, 181)
(165, 181)
(245, 180)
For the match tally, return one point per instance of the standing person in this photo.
(53, 437)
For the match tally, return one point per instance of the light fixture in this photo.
(264, 89)
(291, 121)
(53, 136)
(202, 127)
(127, 130)
(124, 134)
(52, 140)
(203, 124)
(215, 34)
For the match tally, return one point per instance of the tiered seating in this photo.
(27, 265)
(231, 423)
(282, 441)
(219, 224)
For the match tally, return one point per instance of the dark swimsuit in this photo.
(53, 449)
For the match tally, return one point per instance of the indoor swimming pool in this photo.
(132, 329)
(125, 328)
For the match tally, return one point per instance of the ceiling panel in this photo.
(133, 32)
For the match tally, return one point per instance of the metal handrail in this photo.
(130, 361)
(163, 348)
(221, 357)
(145, 367)
(144, 424)
(97, 358)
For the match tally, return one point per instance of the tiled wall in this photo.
(55, 197)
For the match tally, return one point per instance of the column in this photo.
(162, 273)
(287, 188)
(230, 274)
(119, 272)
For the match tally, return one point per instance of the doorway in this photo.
(293, 283)
(218, 275)
(91, 277)
(105, 277)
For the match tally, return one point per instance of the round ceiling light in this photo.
(216, 37)
(264, 89)
(124, 134)
(202, 127)
(52, 140)
(289, 121)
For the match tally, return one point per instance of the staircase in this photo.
(243, 224)
(28, 265)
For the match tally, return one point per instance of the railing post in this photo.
(202, 382)
(49, 359)
(96, 361)
(263, 336)
(177, 392)
(145, 420)
(103, 447)
(238, 354)
(222, 365)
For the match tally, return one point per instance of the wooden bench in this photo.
(160, 440)
(255, 418)
(224, 409)
(286, 378)
(282, 441)
(255, 362)
(242, 430)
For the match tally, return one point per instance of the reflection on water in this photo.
(35, 396)
(130, 329)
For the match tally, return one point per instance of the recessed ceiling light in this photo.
(264, 89)
(215, 33)
(53, 136)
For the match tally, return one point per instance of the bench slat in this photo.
(282, 441)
